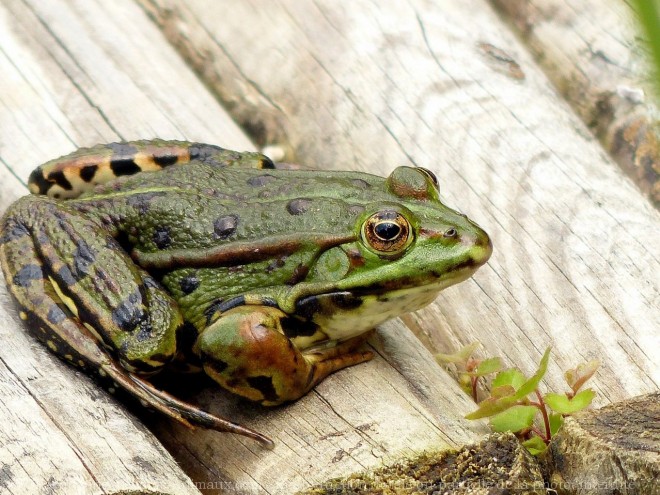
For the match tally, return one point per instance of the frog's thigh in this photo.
(90, 275)
(246, 352)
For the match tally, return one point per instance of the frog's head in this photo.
(408, 246)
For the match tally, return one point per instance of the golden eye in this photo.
(387, 232)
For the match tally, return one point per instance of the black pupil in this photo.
(387, 231)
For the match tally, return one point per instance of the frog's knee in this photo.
(147, 339)
(246, 352)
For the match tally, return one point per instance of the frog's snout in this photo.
(479, 245)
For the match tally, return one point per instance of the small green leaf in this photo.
(556, 420)
(563, 405)
(460, 357)
(488, 366)
(490, 407)
(514, 419)
(530, 385)
(512, 377)
(502, 391)
(579, 375)
(535, 445)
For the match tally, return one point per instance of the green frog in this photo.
(134, 257)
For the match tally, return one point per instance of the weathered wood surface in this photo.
(76, 73)
(599, 63)
(364, 87)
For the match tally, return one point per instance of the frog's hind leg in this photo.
(71, 175)
(50, 309)
(246, 352)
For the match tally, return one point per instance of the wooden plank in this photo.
(85, 72)
(600, 64)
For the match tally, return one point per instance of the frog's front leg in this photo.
(246, 352)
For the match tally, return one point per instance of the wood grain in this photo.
(595, 55)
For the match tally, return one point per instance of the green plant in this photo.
(648, 12)
(509, 407)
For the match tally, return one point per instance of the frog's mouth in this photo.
(345, 313)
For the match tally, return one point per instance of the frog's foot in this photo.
(191, 416)
(247, 353)
(71, 175)
(325, 361)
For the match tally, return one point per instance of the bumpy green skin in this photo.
(267, 279)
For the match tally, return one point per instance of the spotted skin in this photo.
(132, 257)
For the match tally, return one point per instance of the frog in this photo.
(134, 257)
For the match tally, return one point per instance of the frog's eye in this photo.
(387, 232)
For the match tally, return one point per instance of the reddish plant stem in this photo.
(544, 413)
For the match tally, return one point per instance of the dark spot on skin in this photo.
(121, 161)
(225, 226)
(65, 276)
(269, 301)
(130, 314)
(37, 178)
(346, 300)
(58, 178)
(88, 172)
(189, 284)
(263, 384)
(124, 166)
(25, 275)
(222, 306)
(150, 282)
(13, 231)
(355, 257)
(165, 160)
(56, 314)
(308, 306)
(298, 206)
(161, 237)
(204, 152)
(260, 180)
(299, 274)
(217, 365)
(276, 263)
(142, 202)
(212, 310)
(361, 183)
(83, 258)
(266, 163)
(293, 327)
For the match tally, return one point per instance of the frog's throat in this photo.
(237, 252)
